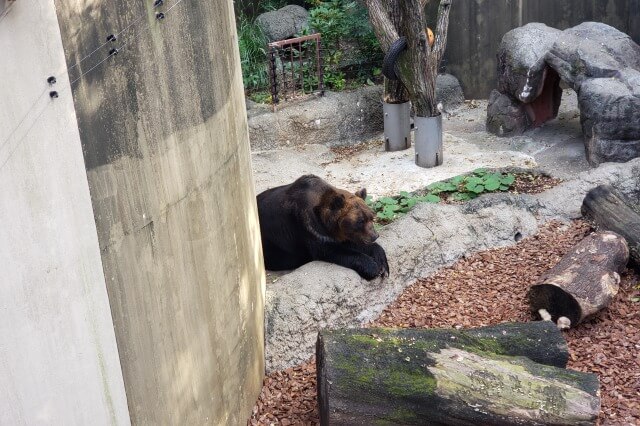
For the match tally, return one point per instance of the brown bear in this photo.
(311, 220)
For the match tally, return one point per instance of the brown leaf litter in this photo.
(489, 288)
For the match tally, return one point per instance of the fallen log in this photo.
(610, 211)
(584, 281)
(452, 377)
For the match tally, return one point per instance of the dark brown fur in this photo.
(311, 220)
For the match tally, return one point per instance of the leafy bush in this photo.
(350, 48)
(459, 188)
(253, 55)
(345, 30)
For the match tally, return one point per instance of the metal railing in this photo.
(295, 67)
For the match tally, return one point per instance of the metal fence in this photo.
(295, 67)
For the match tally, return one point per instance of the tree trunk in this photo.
(609, 211)
(584, 281)
(394, 90)
(418, 65)
(452, 377)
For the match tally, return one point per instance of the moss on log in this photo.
(584, 281)
(452, 377)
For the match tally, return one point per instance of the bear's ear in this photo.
(362, 193)
(336, 202)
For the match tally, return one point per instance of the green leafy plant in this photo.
(253, 55)
(389, 208)
(261, 97)
(458, 188)
(345, 29)
(467, 187)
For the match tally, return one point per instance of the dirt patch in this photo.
(489, 288)
(345, 152)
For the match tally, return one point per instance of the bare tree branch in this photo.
(442, 29)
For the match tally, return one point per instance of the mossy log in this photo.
(610, 211)
(584, 281)
(452, 377)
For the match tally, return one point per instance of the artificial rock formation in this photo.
(283, 23)
(599, 62)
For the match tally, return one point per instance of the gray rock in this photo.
(337, 118)
(521, 60)
(334, 119)
(506, 116)
(592, 50)
(283, 23)
(610, 117)
(449, 91)
(431, 236)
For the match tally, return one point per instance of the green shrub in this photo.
(253, 55)
(343, 24)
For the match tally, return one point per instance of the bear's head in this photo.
(347, 217)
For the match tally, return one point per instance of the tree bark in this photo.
(610, 211)
(584, 281)
(452, 377)
(418, 66)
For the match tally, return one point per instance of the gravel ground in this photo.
(490, 288)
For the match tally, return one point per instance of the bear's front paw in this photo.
(381, 259)
(369, 269)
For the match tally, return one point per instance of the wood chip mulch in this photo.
(489, 288)
(527, 183)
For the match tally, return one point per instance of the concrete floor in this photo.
(557, 147)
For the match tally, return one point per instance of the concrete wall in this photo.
(58, 359)
(477, 26)
(165, 139)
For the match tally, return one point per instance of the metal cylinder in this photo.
(397, 126)
(428, 135)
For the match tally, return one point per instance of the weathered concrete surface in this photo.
(335, 119)
(319, 295)
(165, 139)
(58, 358)
(557, 146)
(381, 172)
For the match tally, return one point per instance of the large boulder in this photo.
(521, 65)
(602, 65)
(506, 115)
(599, 62)
(610, 117)
(592, 50)
(529, 92)
(283, 23)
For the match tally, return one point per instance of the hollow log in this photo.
(452, 377)
(584, 281)
(610, 211)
